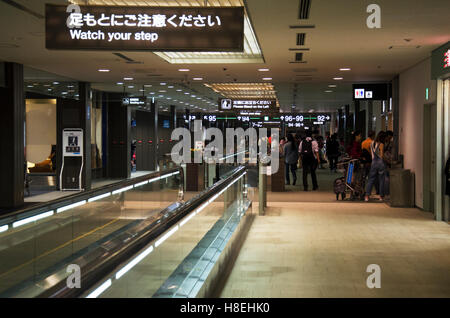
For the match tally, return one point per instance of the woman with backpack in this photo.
(378, 167)
(290, 158)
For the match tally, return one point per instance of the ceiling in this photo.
(340, 38)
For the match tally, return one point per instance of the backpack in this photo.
(307, 152)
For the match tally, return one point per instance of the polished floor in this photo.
(322, 248)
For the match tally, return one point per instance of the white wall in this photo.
(413, 83)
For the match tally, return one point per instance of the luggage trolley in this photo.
(353, 180)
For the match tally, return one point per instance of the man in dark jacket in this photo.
(290, 158)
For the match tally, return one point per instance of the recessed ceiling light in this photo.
(186, 93)
(170, 86)
(328, 91)
(130, 86)
(128, 78)
(198, 78)
(184, 70)
(162, 91)
(179, 90)
(119, 83)
(152, 93)
(147, 85)
(162, 84)
(332, 85)
(267, 78)
(142, 90)
(263, 69)
(104, 70)
(338, 78)
(345, 69)
(55, 83)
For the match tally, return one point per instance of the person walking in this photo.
(309, 151)
(377, 168)
(333, 152)
(366, 154)
(290, 158)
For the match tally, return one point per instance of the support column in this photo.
(340, 123)
(347, 125)
(332, 123)
(188, 123)
(173, 116)
(396, 113)
(119, 137)
(357, 117)
(12, 123)
(370, 116)
(154, 134)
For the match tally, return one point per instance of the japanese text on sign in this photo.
(79, 20)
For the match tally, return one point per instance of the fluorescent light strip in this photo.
(187, 219)
(141, 184)
(32, 219)
(4, 228)
(122, 190)
(134, 262)
(102, 196)
(166, 236)
(100, 289)
(70, 206)
(202, 207)
(154, 179)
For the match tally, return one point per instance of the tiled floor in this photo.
(322, 249)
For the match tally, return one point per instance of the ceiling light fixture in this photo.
(198, 78)
(345, 69)
(128, 78)
(263, 69)
(103, 70)
(183, 70)
(338, 78)
(332, 86)
(267, 78)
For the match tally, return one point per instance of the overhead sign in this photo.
(134, 101)
(372, 91)
(247, 105)
(440, 62)
(144, 28)
(447, 59)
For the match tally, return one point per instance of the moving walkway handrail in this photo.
(35, 210)
(107, 257)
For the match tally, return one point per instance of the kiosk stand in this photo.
(73, 159)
